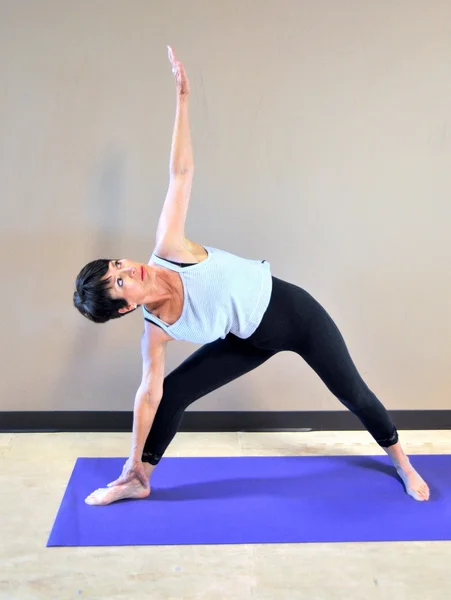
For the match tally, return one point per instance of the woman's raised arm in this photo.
(171, 225)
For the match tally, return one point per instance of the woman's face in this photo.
(129, 280)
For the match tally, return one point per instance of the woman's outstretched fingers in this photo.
(133, 469)
(171, 54)
(119, 481)
(178, 70)
(113, 483)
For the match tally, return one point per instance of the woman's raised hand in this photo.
(178, 70)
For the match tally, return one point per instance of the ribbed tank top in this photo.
(223, 294)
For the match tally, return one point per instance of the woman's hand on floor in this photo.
(133, 469)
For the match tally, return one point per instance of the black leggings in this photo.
(293, 321)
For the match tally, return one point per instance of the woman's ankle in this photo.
(398, 456)
(148, 469)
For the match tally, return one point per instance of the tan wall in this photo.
(322, 143)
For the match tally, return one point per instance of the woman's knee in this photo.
(356, 396)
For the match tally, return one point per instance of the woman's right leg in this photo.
(204, 371)
(207, 369)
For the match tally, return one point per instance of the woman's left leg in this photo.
(329, 357)
(296, 321)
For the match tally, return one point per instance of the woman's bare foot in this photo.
(415, 485)
(104, 496)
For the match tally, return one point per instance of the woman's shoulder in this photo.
(186, 251)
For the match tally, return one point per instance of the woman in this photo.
(234, 307)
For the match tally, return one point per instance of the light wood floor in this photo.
(34, 471)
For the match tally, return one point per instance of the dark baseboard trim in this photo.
(79, 421)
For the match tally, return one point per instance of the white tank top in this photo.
(223, 294)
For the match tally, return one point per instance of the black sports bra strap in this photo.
(179, 264)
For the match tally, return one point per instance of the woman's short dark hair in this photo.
(92, 297)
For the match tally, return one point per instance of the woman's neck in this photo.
(167, 296)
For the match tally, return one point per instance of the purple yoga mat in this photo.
(254, 500)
